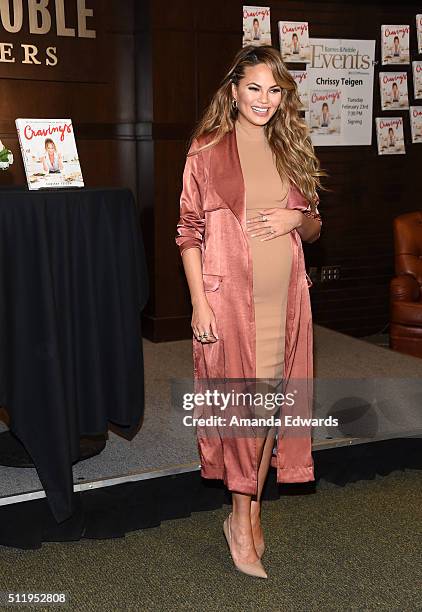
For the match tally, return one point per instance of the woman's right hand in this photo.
(203, 320)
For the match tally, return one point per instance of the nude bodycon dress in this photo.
(272, 259)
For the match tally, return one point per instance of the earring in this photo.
(234, 104)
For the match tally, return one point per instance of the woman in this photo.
(396, 47)
(325, 115)
(295, 45)
(52, 161)
(395, 96)
(256, 30)
(248, 199)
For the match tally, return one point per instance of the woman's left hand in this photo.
(279, 221)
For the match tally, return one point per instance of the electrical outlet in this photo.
(330, 273)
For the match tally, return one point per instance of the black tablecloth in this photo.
(73, 282)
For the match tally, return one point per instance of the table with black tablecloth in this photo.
(73, 283)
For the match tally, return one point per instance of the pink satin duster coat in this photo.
(213, 218)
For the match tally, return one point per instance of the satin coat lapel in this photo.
(228, 177)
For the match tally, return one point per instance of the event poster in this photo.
(294, 41)
(417, 80)
(416, 123)
(49, 153)
(419, 32)
(395, 44)
(341, 84)
(393, 89)
(325, 112)
(390, 135)
(256, 25)
(301, 79)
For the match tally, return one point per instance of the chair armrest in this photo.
(405, 288)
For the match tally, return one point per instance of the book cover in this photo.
(256, 25)
(324, 107)
(416, 123)
(417, 80)
(294, 41)
(390, 135)
(49, 153)
(301, 79)
(419, 32)
(395, 44)
(393, 90)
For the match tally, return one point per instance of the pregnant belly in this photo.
(272, 261)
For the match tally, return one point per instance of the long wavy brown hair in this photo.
(287, 133)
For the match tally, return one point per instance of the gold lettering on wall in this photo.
(39, 15)
(51, 59)
(62, 30)
(83, 13)
(11, 25)
(6, 52)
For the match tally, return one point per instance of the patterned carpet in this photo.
(343, 548)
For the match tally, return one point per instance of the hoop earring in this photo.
(234, 104)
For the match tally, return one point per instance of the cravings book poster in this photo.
(294, 41)
(256, 25)
(325, 110)
(393, 90)
(419, 32)
(301, 79)
(417, 80)
(395, 44)
(390, 135)
(415, 113)
(49, 153)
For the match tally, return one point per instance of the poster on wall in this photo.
(416, 123)
(390, 135)
(301, 79)
(49, 153)
(256, 25)
(395, 44)
(341, 84)
(419, 32)
(294, 41)
(417, 80)
(393, 89)
(325, 113)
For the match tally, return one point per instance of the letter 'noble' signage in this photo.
(50, 39)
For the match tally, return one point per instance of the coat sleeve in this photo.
(314, 214)
(191, 225)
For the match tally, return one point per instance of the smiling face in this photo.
(258, 95)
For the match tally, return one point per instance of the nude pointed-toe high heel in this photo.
(256, 568)
(260, 550)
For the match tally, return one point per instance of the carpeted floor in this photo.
(163, 442)
(352, 548)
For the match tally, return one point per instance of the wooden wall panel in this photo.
(198, 40)
(94, 84)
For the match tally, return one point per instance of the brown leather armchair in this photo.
(406, 286)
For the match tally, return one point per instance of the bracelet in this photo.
(312, 214)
